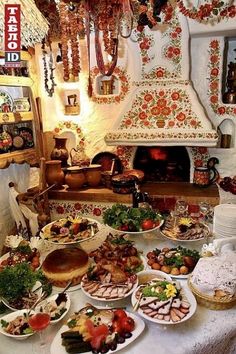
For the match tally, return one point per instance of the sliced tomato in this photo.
(76, 228)
(98, 333)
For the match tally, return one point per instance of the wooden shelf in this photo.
(11, 117)
(8, 80)
(20, 156)
(156, 191)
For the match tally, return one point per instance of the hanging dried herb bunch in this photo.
(48, 71)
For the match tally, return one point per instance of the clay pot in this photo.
(60, 151)
(93, 175)
(75, 177)
(54, 173)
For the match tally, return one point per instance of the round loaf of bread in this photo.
(64, 265)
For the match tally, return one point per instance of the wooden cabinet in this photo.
(23, 120)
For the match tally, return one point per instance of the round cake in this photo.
(64, 265)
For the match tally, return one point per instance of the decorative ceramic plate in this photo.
(5, 98)
(58, 348)
(105, 160)
(67, 235)
(152, 315)
(27, 135)
(5, 142)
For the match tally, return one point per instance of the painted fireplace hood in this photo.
(163, 107)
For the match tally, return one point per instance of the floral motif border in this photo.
(65, 125)
(214, 82)
(172, 51)
(146, 42)
(73, 208)
(124, 79)
(129, 136)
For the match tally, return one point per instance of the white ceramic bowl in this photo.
(52, 299)
(38, 291)
(147, 275)
(10, 317)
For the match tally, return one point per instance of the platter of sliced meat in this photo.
(164, 302)
(108, 282)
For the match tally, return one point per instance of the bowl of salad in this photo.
(15, 325)
(124, 219)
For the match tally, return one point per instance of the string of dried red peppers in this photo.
(69, 35)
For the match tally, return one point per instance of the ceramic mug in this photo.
(201, 176)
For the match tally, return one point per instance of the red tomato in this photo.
(123, 228)
(148, 224)
(116, 326)
(119, 314)
(127, 324)
(76, 228)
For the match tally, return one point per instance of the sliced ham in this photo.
(184, 310)
(165, 309)
(179, 313)
(155, 305)
(185, 304)
(173, 316)
(167, 318)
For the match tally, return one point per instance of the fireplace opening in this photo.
(163, 164)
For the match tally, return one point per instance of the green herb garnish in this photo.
(4, 323)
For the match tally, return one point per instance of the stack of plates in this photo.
(224, 223)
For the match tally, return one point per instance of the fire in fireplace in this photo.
(163, 164)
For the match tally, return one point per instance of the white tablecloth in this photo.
(207, 332)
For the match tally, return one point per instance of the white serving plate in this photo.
(73, 242)
(57, 347)
(109, 300)
(37, 285)
(52, 298)
(138, 233)
(10, 317)
(190, 297)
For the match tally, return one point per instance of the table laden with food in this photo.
(138, 283)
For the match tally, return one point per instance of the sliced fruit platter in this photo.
(164, 302)
(108, 282)
(15, 325)
(121, 252)
(70, 230)
(98, 331)
(132, 220)
(22, 253)
(178, 262)
(184, 229)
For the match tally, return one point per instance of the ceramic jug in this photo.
(60, 151)
(204, 176)
(54, 173)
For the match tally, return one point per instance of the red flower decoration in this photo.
(214, 99)
(214, 72)
(159, 73)
(166, 111)
(78, 206)
(60, 210)
(97, 212)
(142, 115)
(221, 110)
(148, 97)
(161, 102)
(155, 111)
(181, 117)
(175, 96)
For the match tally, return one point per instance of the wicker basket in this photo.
(211, 302)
